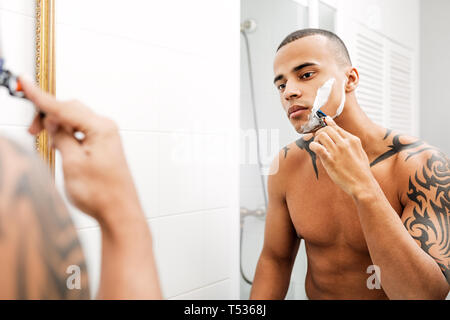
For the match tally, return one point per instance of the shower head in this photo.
(248, 26)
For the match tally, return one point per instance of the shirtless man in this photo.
(358, 194)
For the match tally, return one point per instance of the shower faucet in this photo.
(259, 213)
(248, 26)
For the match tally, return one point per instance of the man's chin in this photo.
(299, 126)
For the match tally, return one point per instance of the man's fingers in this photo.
(42, 100)
(51, 124)
(323, 138)
(70, 114)
(332, 132)
(321, 151)
(66, 143)
(330, 122)
(36, 125)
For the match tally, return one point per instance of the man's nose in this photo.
(292, 91)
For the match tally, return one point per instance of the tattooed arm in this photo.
(407, 271)
(39, 247)
(412, 251)
(427, 212)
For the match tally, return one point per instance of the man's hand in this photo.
(344, 158)
(98, 181)
(96, 175)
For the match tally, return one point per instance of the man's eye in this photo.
(307, 75)
(281, 86)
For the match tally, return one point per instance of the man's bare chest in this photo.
(324, 215)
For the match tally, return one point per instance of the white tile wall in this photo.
(142, 152)
(167, 73)
(216, 291)
(23, 7)
(167, 89)
(19, 53)
(16, 18)
(90, 239)
(195, 26)
(169, 79)
(192, 250)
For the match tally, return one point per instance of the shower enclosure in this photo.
(264, 24)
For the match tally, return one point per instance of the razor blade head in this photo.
(321, 117)
(8, 80)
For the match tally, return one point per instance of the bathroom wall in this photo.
(435, 69)
(17, 18)
(167, 73)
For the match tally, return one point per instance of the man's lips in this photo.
(296, 111)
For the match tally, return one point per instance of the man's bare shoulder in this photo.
(38, 241)
(412, 154)
(414, 161)
(405, 150)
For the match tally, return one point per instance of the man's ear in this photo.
(353, 80)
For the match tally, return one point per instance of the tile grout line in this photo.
(148, 219)
(17, 13)
(199, 288)
(201, 211)
(132, 39)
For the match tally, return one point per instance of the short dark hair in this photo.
(342, 55)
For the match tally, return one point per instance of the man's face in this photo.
(301, 68)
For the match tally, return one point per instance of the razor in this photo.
(10, 81)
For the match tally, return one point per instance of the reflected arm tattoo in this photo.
(428, 219)
(37, 235)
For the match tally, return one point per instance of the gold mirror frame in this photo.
(45, 67)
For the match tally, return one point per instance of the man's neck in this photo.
(355, 121)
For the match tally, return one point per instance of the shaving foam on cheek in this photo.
(341, 106)
(323, 94)
(321, 98)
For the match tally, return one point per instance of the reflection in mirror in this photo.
(293, 249)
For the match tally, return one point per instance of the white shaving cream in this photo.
(323, 94)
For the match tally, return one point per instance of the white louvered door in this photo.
(387, 72)
(401, 109)
(369, 60)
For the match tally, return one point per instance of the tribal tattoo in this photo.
(286, 149)
(395, 148)
(430, 224)
(46, 242)
(304, 145)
